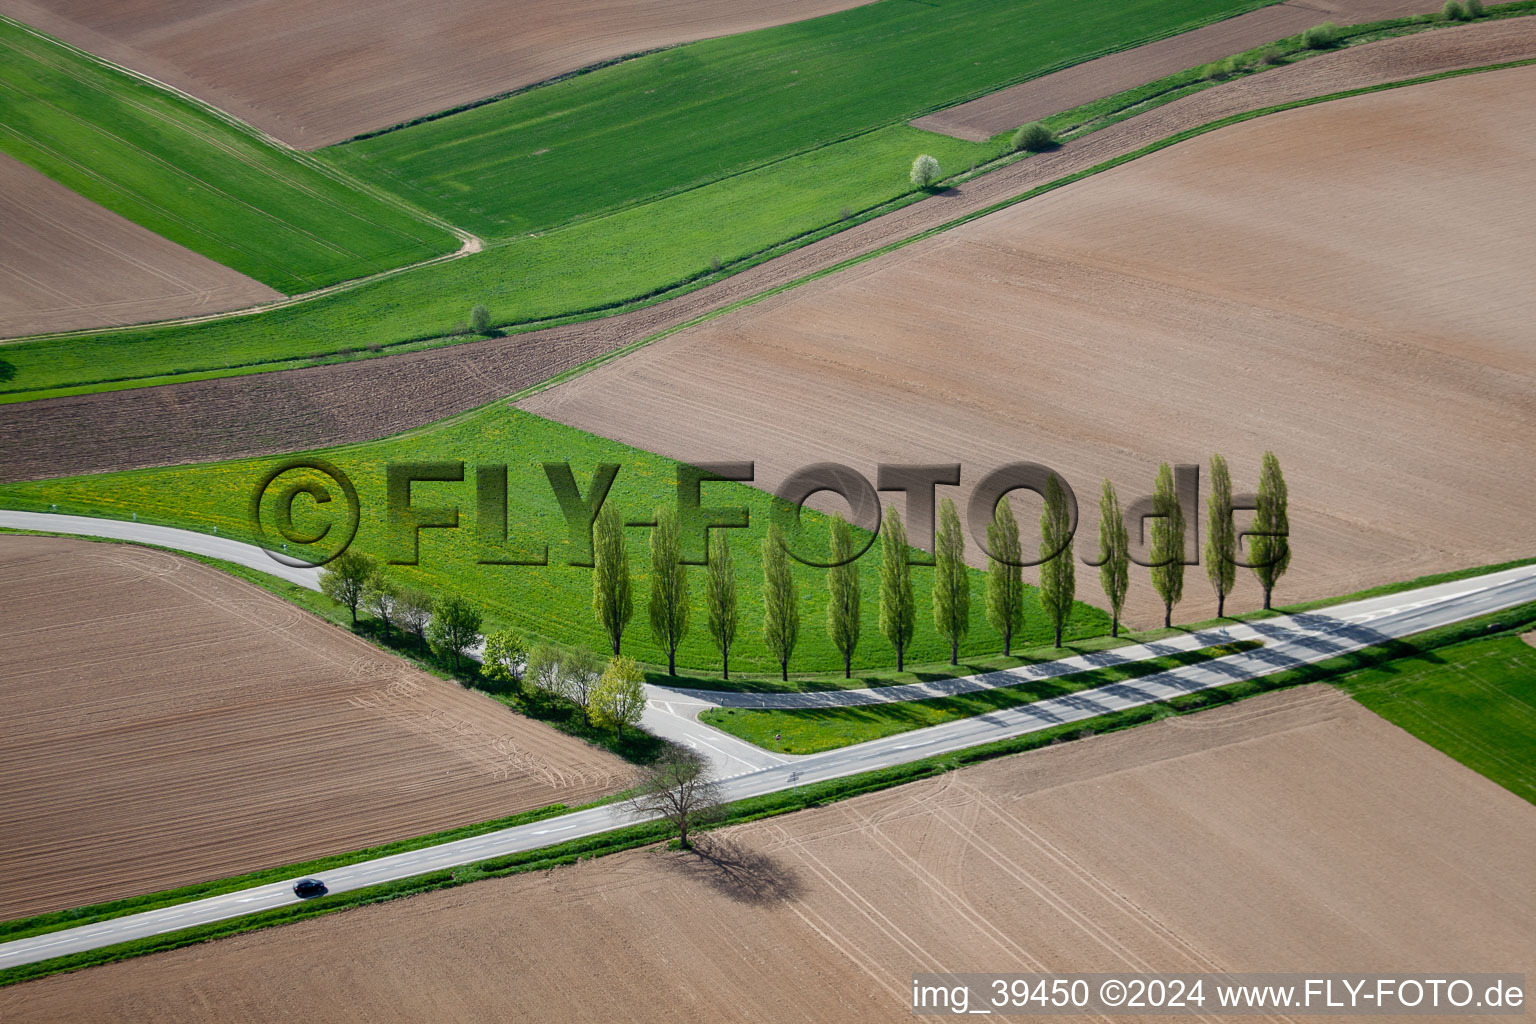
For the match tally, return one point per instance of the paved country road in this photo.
(1289, 641)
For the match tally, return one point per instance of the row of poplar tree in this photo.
(669, 603)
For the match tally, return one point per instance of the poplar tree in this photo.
(781, 602)
(951, 587)
(1114, 553)
(843, 595)
(1005, 574)
(669, 586)
(610, 575)
(721, 597)
(1220, 535)
(1270, 548)
(898, 609)
(1058, 573)
(1167, 543)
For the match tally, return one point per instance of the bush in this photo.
(1033, 137)
(1474, 8)
(1270, 55)
(925, 171)
(1321, 37)
(1453, 11)
(480, 320)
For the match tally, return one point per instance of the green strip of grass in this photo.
(550, 602)
(813, 730)
(193, 175)
(628, 259)
(818, 794)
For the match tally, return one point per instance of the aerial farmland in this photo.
(800, 511)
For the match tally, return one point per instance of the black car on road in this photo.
(309, 888)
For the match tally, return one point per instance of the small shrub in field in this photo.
(1321, 37)
(374, 346)
(1453, 11)
(1034, 137)
(925, 171)
(480, 320)
(715, 264)
(1474, 8)
(844, 213)
(1270, 55)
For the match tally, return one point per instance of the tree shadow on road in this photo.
(737, 872)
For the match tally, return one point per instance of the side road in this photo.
(729, 756)
(296, 410)
(1297, 640)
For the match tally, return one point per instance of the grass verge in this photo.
(813, 730)
(39, 924)
(1505, 624)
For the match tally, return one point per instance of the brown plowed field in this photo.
(299, 409)
(1006, 109)
(1291, 832)
(314, 72)
(67, 264)
(165, 724)
(1345, 284)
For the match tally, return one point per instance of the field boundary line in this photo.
(1147, 150)
(666, 293)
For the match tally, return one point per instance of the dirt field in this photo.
(313, 73)
(166, 724)
(1006, 109)
(295, 410)
(66, 263)
(1345, 284)
(1292, 832)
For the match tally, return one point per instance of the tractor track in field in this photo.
(291, 410)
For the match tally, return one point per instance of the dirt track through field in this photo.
(1344, 284)
(166, 724)
(1294, 831)
(314, 72)
(299, 409)
(1006, 109)
(68, 264)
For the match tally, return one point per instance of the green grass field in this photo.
(812, 730)
(1476, 701)
(694, 114)
(554, 601)
(618, 258)
(786, 177)
(182, 171)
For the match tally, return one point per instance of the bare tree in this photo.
(680, 787)
(379, 596)
(414, 610)
(580, 670)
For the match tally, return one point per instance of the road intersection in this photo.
(747, 771)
